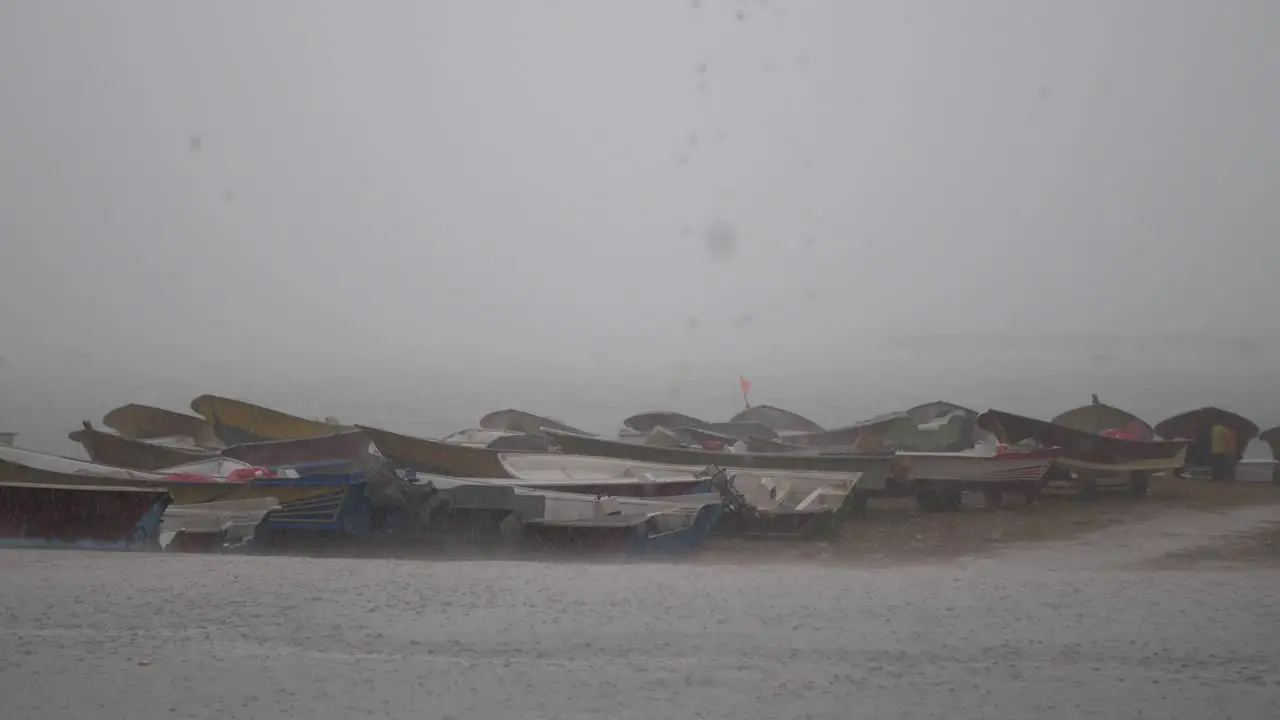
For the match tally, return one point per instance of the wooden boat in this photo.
(1195, 427)
(1098, 417)
(236, 422)
(28, 466)
(875, 468)
(81, 516)
(119, 451)
(646, 421)
(784, 422)
(524, 422)
(1084, 450)
(143, 422)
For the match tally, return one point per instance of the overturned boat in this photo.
(1088, 457)
(1102, 419)
(496, 439)
(642, 423)
(1195, 428)
(524, 422)
(784, 422)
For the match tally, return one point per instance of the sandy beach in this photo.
(1159, 608)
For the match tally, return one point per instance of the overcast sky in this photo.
(617, 184)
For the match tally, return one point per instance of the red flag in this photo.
(744, 383)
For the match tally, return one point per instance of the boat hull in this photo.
(875, 469)
(77, 516)
(350, 447)
(119, 451)
(143, 422)
(183, 492)
(1086, 451)
(1012, 468)
(236, 421)
(436, 457)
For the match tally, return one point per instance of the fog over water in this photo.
(409, 214)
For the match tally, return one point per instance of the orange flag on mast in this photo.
(745, 384)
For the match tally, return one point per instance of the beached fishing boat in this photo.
(934, 427)
(100, 517)
(644, 422)
(209, 527)
(343, 450)
(337, 509)
(433, 457)
(436, 457)
(144, 422)
(236, 421)
(875, 468)
(1195, 426)
(784, 422)
(941, 477)
(940, 411)
(119, 451)
(601, 476)
(765, 503)
(348, 448)
(478, 511)
(713, 436)
(524, 422)
(497, 440)
(1098, 418)
(187, 484)
(1088, 456)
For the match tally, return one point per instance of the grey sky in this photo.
(471, 186)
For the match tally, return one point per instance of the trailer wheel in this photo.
(1138, 484)
(993, 497)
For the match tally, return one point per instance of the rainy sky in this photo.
(571, 190)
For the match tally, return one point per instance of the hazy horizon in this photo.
(410, 214)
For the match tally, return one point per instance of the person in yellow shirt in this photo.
(1223, 448)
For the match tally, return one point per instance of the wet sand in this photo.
(1119, 619)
